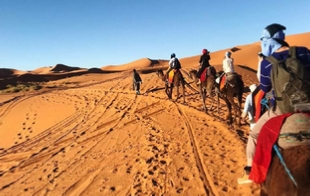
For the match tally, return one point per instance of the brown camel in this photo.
(177, 81)
(278, 182)
(233, 88)
(206, 87)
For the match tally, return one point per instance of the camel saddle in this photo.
(171, 75)
(286, 130)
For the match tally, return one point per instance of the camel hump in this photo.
(295, 131)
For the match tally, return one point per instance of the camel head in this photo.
(192, 74)
(160, 74)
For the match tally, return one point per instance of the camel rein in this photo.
(275, 147)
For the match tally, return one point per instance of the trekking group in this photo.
(283, 91)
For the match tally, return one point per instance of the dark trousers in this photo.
(137, 86)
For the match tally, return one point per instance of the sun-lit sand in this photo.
(86, 133)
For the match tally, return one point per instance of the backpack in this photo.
(176, 64)
(290, 81)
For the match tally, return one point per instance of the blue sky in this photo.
(94, 33)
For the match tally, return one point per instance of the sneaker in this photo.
(245, 179)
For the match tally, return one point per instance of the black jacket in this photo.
(136, 77)
(204, 63)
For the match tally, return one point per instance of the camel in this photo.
(278, 182)
(234, 88)
(206, 87)
(177, 81)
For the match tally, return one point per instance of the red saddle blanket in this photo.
(203, 76)
(268, 136)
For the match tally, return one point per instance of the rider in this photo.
(136, 82)
(228, 67)
(174, 63)
(203, 63)
(248, 107)
(228, 64)
(272, 43)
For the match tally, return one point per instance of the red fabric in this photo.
(223, 82)
(266, 139)
(203, 76)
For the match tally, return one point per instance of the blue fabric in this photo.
(248, 107)
(302, 53)
(268, 44)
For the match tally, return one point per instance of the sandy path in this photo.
(102, 139)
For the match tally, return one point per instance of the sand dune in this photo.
(138, 64)
(87, 133)
(6, 72)
(246, 54)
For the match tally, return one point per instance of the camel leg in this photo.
(237, 110)
(209, 92)
(218, 102)
(170, 93)
(167, 90)
(228, 104)
(203, 96)
(177, 86)
(209, 87)
(183, 89)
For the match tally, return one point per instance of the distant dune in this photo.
(64, 68)
(6, 72)
(138, 64)
(244, 55)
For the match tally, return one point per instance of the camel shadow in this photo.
(154, 90)
(242, 136)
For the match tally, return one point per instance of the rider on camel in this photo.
(203, 63)
(174, 64)
(272, 44)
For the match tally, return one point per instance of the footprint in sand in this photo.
(180, 169)
(179, 190)
(55, 169)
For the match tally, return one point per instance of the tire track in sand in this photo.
(208, 185)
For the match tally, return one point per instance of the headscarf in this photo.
(272, 39)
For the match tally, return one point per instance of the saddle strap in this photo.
(299, 136)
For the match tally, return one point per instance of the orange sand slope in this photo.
(91, 135)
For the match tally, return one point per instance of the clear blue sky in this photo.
(94, 33)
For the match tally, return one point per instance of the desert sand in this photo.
(85, 132)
